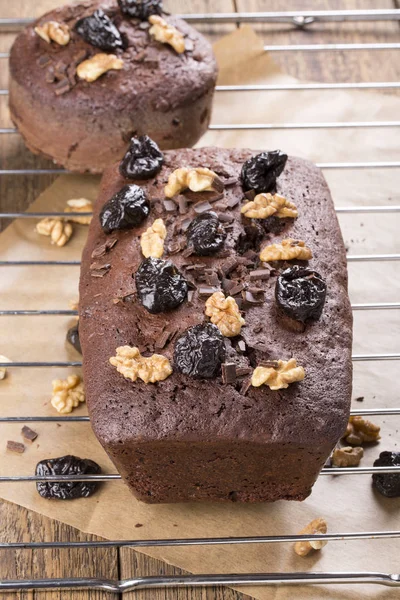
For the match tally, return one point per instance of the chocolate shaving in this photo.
(44, 60)
(176, 246)
(208, 290)
(162, 341)
(104, 248)
(99, 270)
(245, 386)
(50, 75)
(250, 194)
(230, 181)
(183, 204)
(229, 265)
(232, 202)
(250, 298)
(189, 46)
(28, 434)
(202, 207)
(190, 296)
(269, 364)
(242, 346)
(169, 205)
(185, 224)
(15, 447)
(188, 252)
(218, 185)
(260, 274)
(236, 289)
(227, 285)
(62, 87)
(228, 373)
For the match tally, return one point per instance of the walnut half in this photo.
(287, 250)
(278, 374)
(132, 365)
(58, 230)
(94, 67)
(347, 457)
(52, 31)
(200, 179)
(360, 430)
(152, 240)
(166, 34)
(67, 394)
(268, 205)
(79, 205)
(316, 526)
(225, 314)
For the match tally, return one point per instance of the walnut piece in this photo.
(67, 394)
(360, 430)
(3, 370)
(316, 526)
(225, 314)
(58, 230)
(152, 240)
(166, 34)
(266, 205)
(73, 303)
(79, 205)
(277, 374)
(200, 179)
(131, 364)
(52, 31)
(287, 250)
(94, 67)
(347, 457)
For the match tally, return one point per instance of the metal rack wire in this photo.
(300, 19)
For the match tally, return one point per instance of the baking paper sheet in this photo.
(347, 502)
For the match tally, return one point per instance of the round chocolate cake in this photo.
(215, 324)
(86, 77)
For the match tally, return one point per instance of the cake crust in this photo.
(185, 439)
(158, 92)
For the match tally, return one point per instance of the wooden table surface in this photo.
(17, 524)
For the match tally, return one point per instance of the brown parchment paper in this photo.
(348, 503)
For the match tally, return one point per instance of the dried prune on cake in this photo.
(73, 337)
(141, 9)
(98, 29)
(66, 465)
(143, 159)
(300, 293)
(200, 351)
(205, 234)
(260, 172)
(126, 209)
(387, 484)
(160, 286)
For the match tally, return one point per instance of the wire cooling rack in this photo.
(297, 19)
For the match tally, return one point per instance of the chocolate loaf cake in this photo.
(210, 374)
(82, 114)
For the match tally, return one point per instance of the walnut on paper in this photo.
(80, 205)
(316, 526)
(132, 365)
(59, 231)
(67, 394)
(199, 179)
(288, 249)
(268, 205)
(278, 374)
(52, 31)
(347, 457)
(360, 430)
(3, 370)
(225, 314)
(152, 240)
(167, 34)
(94, 67)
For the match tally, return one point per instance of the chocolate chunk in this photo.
(28, 434)
(15, 447)
(202, 207)
(228, 373)
(229, 265)
(212, 279)
(50, 76)
(242, 346)
(62, 87)
(44, 60)
(169, 205)
(250, 194)
(227, 285)
(245, 386)
(236, 289)
(224, 218)
(189, 46)
(360, 399)
(162, 341)
(250, 298)
(232, 202)
(185, 224)
(263, 274)
(183, 204)
(230, 181)
(176, 246)
(242, 371)
(188, 252)
(208, 290)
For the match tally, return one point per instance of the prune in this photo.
(143, 160)
(126, 209)
(66, 465)
(100, 31)
(260, 172)
(205, 234)
(387, 484)
(160, 286)
(300, 293)
(73, 338)
(141, 9)
(200, 351)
